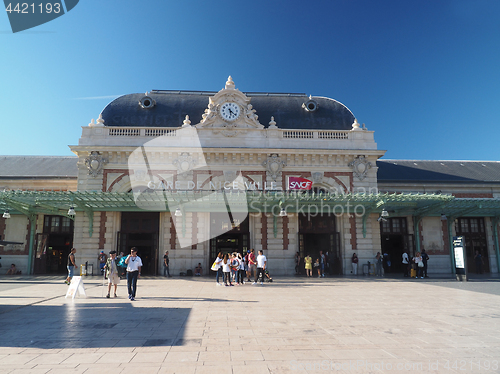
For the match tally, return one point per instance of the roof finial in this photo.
(355, 125)
(230, 83)
(100, 121)
(272, 124)
(92, 123)
(186, 122)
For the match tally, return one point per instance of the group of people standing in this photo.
(319, 265)
(419, 261)
(233, 267)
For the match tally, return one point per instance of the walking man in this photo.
(322, 261)
(134, 265)
(261, 267)
(71, 266)
(405, 263)
(166, 261)
(425, 258)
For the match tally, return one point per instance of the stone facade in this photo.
(233, 151)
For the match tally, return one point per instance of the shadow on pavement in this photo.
(91, 326)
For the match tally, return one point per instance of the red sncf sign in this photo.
(296, 183)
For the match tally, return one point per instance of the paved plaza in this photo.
(293, 325)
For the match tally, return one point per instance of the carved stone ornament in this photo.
(184, 163)
(274, 166)
(215, 120)
(317, 177)
(360, 167)
(139, 175)
(229, 175)
(95, 163)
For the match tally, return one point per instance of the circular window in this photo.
(147, 102)
(310, 105)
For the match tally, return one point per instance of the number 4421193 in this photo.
(25, 8)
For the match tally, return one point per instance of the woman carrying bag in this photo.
(420, 265)
(217, 266)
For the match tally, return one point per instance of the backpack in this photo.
(122, 263)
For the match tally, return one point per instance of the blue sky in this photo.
(424, 75)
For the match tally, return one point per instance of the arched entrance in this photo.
(234, 240)
(141, 230)
(318, 233)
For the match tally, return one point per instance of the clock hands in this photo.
(230, 111)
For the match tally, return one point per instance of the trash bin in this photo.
(83, 270)
(90, 269)
(368, 269)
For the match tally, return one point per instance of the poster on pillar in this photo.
(460, 258)
(297, 183)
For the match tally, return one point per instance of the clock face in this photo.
(230, 111)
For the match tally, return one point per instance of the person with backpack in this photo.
(235, 267)
(122, 266)
(241, 269)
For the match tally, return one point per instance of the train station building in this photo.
(197, 173)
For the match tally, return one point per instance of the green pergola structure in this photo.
(32, 203)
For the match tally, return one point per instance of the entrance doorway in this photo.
(235, 240)
(472, 229)
(319, 233)
(392, 249)
(53, 246)
(141, 230)
(394, 242)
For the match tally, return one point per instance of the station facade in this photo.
(197, 173)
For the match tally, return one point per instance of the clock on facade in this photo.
(230, 111)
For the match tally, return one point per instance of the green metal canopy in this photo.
(32, 203)
(58, 202)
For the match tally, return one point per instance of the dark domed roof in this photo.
(171, 107)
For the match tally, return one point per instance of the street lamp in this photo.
(71, 211)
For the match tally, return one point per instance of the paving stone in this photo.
(348, 325)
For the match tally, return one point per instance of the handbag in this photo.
(214, 266)
(420, 264)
